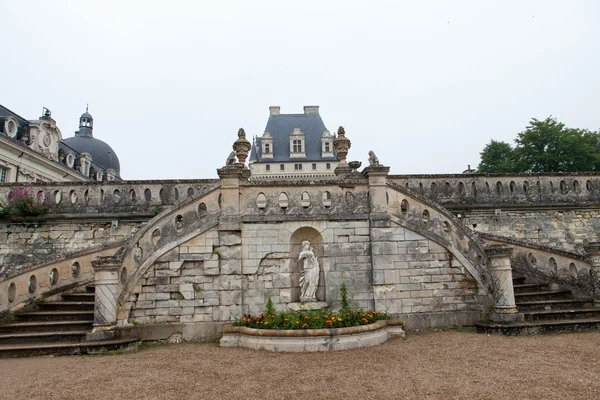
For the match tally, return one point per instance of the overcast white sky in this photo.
(425, 84)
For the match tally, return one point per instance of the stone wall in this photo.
(562, 228)
(35, 242)
(420, 281)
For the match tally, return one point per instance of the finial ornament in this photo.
(242, 147)
(86, 107)
(342, 144)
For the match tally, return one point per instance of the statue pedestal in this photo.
(313, 305)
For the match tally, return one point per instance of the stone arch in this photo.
(316, 241)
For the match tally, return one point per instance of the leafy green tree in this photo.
(544, 146)
(497, 157)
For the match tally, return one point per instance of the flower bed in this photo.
(313, 319)
(350, 331)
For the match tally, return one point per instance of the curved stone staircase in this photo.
(57, 328)
(546, 310)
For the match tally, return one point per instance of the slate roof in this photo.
(281, 126)
(5, 112)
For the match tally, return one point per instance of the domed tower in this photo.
(84, 142)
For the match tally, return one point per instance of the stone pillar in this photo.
(106, 281)
(505, 309)
(592, 254)
(377, 176)
(230, 197)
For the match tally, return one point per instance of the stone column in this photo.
(592, 254)
(505, 309)
(377, 175)
(106, 281)
(230, 197)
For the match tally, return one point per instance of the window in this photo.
(298, 167)
(267, 148)
(328, 165)
(3, 174)
(314, 166)
(326, 147)
(268, 167)
(297, 146)
(281, 167)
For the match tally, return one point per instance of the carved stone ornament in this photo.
(373, 160)
(137, 253)
(242, 147)
(342, 144)
(230, 158)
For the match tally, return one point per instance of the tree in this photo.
(544, 146)
(497, 157)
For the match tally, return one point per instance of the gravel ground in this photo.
(429, 365)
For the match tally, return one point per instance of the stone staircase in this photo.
(56, 328)
(546, 311)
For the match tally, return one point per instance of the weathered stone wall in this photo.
(34, 242)
(566, 229)
(419, 280)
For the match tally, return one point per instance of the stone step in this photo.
(553, 304)
(67, 348)
(42, 337)
(542, 295)
(519, 280)
(67, 306)
(578, 313)
(539, 327)
(56, 315)
(78, 297)
(530, 287)
(44, 326)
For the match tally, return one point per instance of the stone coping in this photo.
(531, 245)
(311, 332)
(492, 175)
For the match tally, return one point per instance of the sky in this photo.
(424, 84)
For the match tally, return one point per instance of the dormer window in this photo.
(86, 163)
(99, 176)
(110, 174)
(70, 160)
(326, 144)
(297, 145)
(267, 145)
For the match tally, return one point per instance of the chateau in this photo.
(516, 253)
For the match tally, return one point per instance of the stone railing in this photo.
(107, 197)
(478, 190)
(548, 265)
(30, 284)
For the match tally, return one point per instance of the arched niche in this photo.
(316, 241)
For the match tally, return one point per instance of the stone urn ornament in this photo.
(242, 147)
(342, 144)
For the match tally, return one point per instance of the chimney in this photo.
(274, 110)
(311, 109)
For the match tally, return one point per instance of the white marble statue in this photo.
(309, 277)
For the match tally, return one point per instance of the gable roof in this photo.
(280, 126)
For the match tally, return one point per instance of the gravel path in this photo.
(431, 365)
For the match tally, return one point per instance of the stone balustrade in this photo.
(92, 197)
(41, 281)
(478, 190)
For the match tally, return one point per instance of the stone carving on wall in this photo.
(309, 277)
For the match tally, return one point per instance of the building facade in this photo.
(293, 145)
(34, 151)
